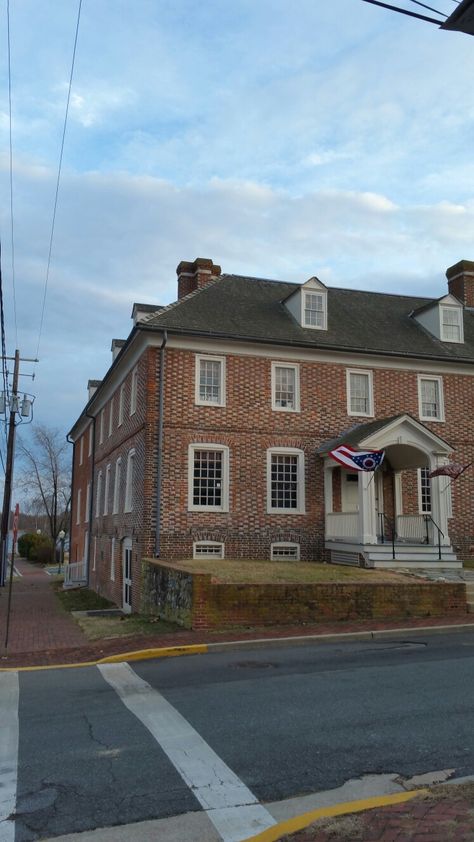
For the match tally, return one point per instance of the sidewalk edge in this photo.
(273, 834)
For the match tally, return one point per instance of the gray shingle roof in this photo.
(252, 308)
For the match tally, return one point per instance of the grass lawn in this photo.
(292, 572)
(81, 599)
(106, 628)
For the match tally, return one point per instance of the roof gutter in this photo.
(159, 457)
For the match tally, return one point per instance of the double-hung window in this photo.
(208, 478)
(107, 489)
(424, 491)
(451, 324)
(210, 380)
(430, 394)
(98, 494)
(360, 400)
(285, 480)
(111, 417)
(128, 506)
(314, 310)
(117, 480)
(121, 405)
(134, 392)
(285, 387)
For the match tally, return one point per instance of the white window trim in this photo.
(134, 391)
(88, 503)
(78, 507)
(111, 416)
(98, 494)
(94, 555)
(217, 556)
(209, 358)
(128, 504)
(439, 380)
(461, 323)
(420, 496)
(101, 426)
(277, 544)
(112, 559)
(81, 450)
(304, 293)
(108, 471)
(370, 377)
(224, 507)
(117, 480)
(287, 451)
(121, 405)
(296, 369)
(89, 453)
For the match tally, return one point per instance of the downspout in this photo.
(70, 441)
(91, 498)
(159, 459)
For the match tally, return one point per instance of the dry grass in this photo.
(108, 628)
(280, 572)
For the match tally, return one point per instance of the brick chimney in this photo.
(461, 281)
(195, 275)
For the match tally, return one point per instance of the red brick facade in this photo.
(248, 426)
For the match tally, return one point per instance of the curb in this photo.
(256, 643)
(272, 834)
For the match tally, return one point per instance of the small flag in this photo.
(452, 469)
(358, 460)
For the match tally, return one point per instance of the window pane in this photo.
(359, 397)
(207, 479)
(425, 488)
(210, 381)
(451, 324)
(313, 309)
(284, 481)
(285, 387)
(430, 399)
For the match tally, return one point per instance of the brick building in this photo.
(209, 434)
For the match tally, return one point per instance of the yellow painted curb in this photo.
(139, 655)
(164, 652)
(272, 834)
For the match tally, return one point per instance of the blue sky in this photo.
(325, 137)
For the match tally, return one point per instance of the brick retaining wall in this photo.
(194, 601)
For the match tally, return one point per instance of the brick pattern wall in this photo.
(248, 426)
(82, 477)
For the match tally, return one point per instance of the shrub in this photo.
(36, 548)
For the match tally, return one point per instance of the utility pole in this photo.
(22, 411)
(7, 491)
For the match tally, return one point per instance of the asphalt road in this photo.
(101, 748)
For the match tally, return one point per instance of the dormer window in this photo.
(451, 324)
(314, 314)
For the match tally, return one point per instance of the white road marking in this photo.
(234, 811)
(9, 732)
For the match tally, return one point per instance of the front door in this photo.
(349, 492)
(127, 575)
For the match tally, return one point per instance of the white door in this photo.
(349, 492)
(127, 575)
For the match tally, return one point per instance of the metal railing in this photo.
(428, 520)
(383, 521)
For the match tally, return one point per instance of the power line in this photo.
(53, 222)
(11, 169)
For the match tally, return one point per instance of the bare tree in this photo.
(46, 477)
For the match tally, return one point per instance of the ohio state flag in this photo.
(358, 460)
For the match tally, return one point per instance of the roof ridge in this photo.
(167, 307)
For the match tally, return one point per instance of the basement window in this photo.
(208, 549)
(283, 551)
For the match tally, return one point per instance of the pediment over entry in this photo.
(407, 442)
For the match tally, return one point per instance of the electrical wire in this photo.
(11, 168)
(55, 206)
(430, 8)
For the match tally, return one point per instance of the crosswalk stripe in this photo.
(230, 805)
(9, 732)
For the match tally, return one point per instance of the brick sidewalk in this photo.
(37, 620)
(446, 814)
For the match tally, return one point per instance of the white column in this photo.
(367, 525)
(439, 503)
(328, 493)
